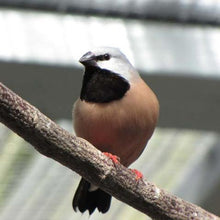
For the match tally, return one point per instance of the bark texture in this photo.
(80, 156)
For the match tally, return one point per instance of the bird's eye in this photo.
(106, 56)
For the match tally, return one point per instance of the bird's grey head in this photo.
(112, 59)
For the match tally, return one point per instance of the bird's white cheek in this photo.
(116, 67)
(109, 65)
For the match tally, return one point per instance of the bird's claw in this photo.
(115, 159)
(138, 174)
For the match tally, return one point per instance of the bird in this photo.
(117, 112)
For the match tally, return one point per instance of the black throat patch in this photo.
(101, 85)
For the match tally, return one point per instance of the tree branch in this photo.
(80, 156)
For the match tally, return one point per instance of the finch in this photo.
(116, 112)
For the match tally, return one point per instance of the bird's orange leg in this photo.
(115, 159)
(138, 174)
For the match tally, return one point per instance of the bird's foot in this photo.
(115, 159)
(138, 174)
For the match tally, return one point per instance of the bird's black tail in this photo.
(90, 200)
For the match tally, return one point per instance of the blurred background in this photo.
(175, 46)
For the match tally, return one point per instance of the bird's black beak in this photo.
(88, 59)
